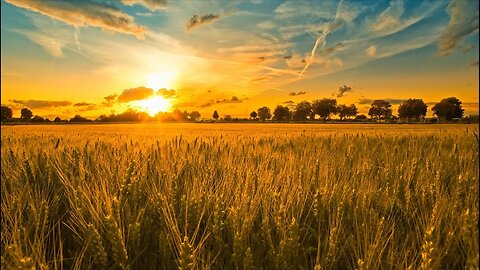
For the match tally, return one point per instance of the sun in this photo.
(154, 105)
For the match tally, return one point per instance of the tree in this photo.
(381, 109)
(58, 119)
(38, 119)
(253, 115)
(352, 110)
(412, 108)
(264, 113)
(302, 111)
(227, 118)
(342, 111)
(361, 117)
(281, 113)
(78, 118)
(448, 108)
(6, 113)
(215, 115)
(325, 107)
(26, 114)
(195, 115)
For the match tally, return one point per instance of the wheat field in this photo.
(240, 196)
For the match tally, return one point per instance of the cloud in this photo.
(468, 47)
(342, 90)
(85, 13)
(150, 4)
(390, 18)
(196, 21)
(371, 51)
(133, 94)
(474, 63)
(39, 104)
(266, 25)
(234, 99)
(287, 57)
(50, 44)
(289, 103)
(299, 93)
(82, 104)
(463, 21)
(306, 9)
(368, 101)
(166, 93)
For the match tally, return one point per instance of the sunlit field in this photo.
(239, 196)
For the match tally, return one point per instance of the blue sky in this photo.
(56, 54)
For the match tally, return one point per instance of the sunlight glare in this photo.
(158, 80)
(154, 105)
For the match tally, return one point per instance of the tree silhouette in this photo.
(381, 109)
(26, 114)
(352, 110)
(57, 120)
(38, 119)
(253, 115)
(302, 111)
(281, 113)
(325, 107)
(195, 115)
(342, 111)
(448, 108)
(227, 118)
(264, 113)
(77, 118)
(412, 108)
(6, 113)
(215, 115)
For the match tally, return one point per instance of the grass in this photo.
(242, 196)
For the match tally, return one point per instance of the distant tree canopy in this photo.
(26, 114)
(253, 115)
(281, 113)
(6, 113)
(215, 115)
(380, 109)
(194, 115)
(78, 119)
(38, 119)
(412, 108)
(302, 111)
(448, 108)
(227, 117)
(345, 111)
(264, 113)
(361, 117)
(324, 107)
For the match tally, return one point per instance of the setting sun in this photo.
(154, 105)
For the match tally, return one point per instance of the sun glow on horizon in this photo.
(159, 80)
(154, 105)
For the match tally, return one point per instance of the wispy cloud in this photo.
(197, 21)
(234, 99)
(85, 13)
(368, 101)
(299, 93)
(390, 18)
(342, 90)
(463, 22)
(371, 51)
(150, 4)
(40, 104)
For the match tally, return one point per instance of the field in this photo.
(240, 196)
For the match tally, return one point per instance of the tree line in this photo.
(447, 109)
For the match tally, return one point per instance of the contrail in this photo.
(77, 33)
(323, 37)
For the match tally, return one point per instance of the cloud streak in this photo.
(463, 22)
(85, 13)
(40, 104)
(299, 93)
(197, 21)
(150, 4)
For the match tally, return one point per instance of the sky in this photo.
(93, 57)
